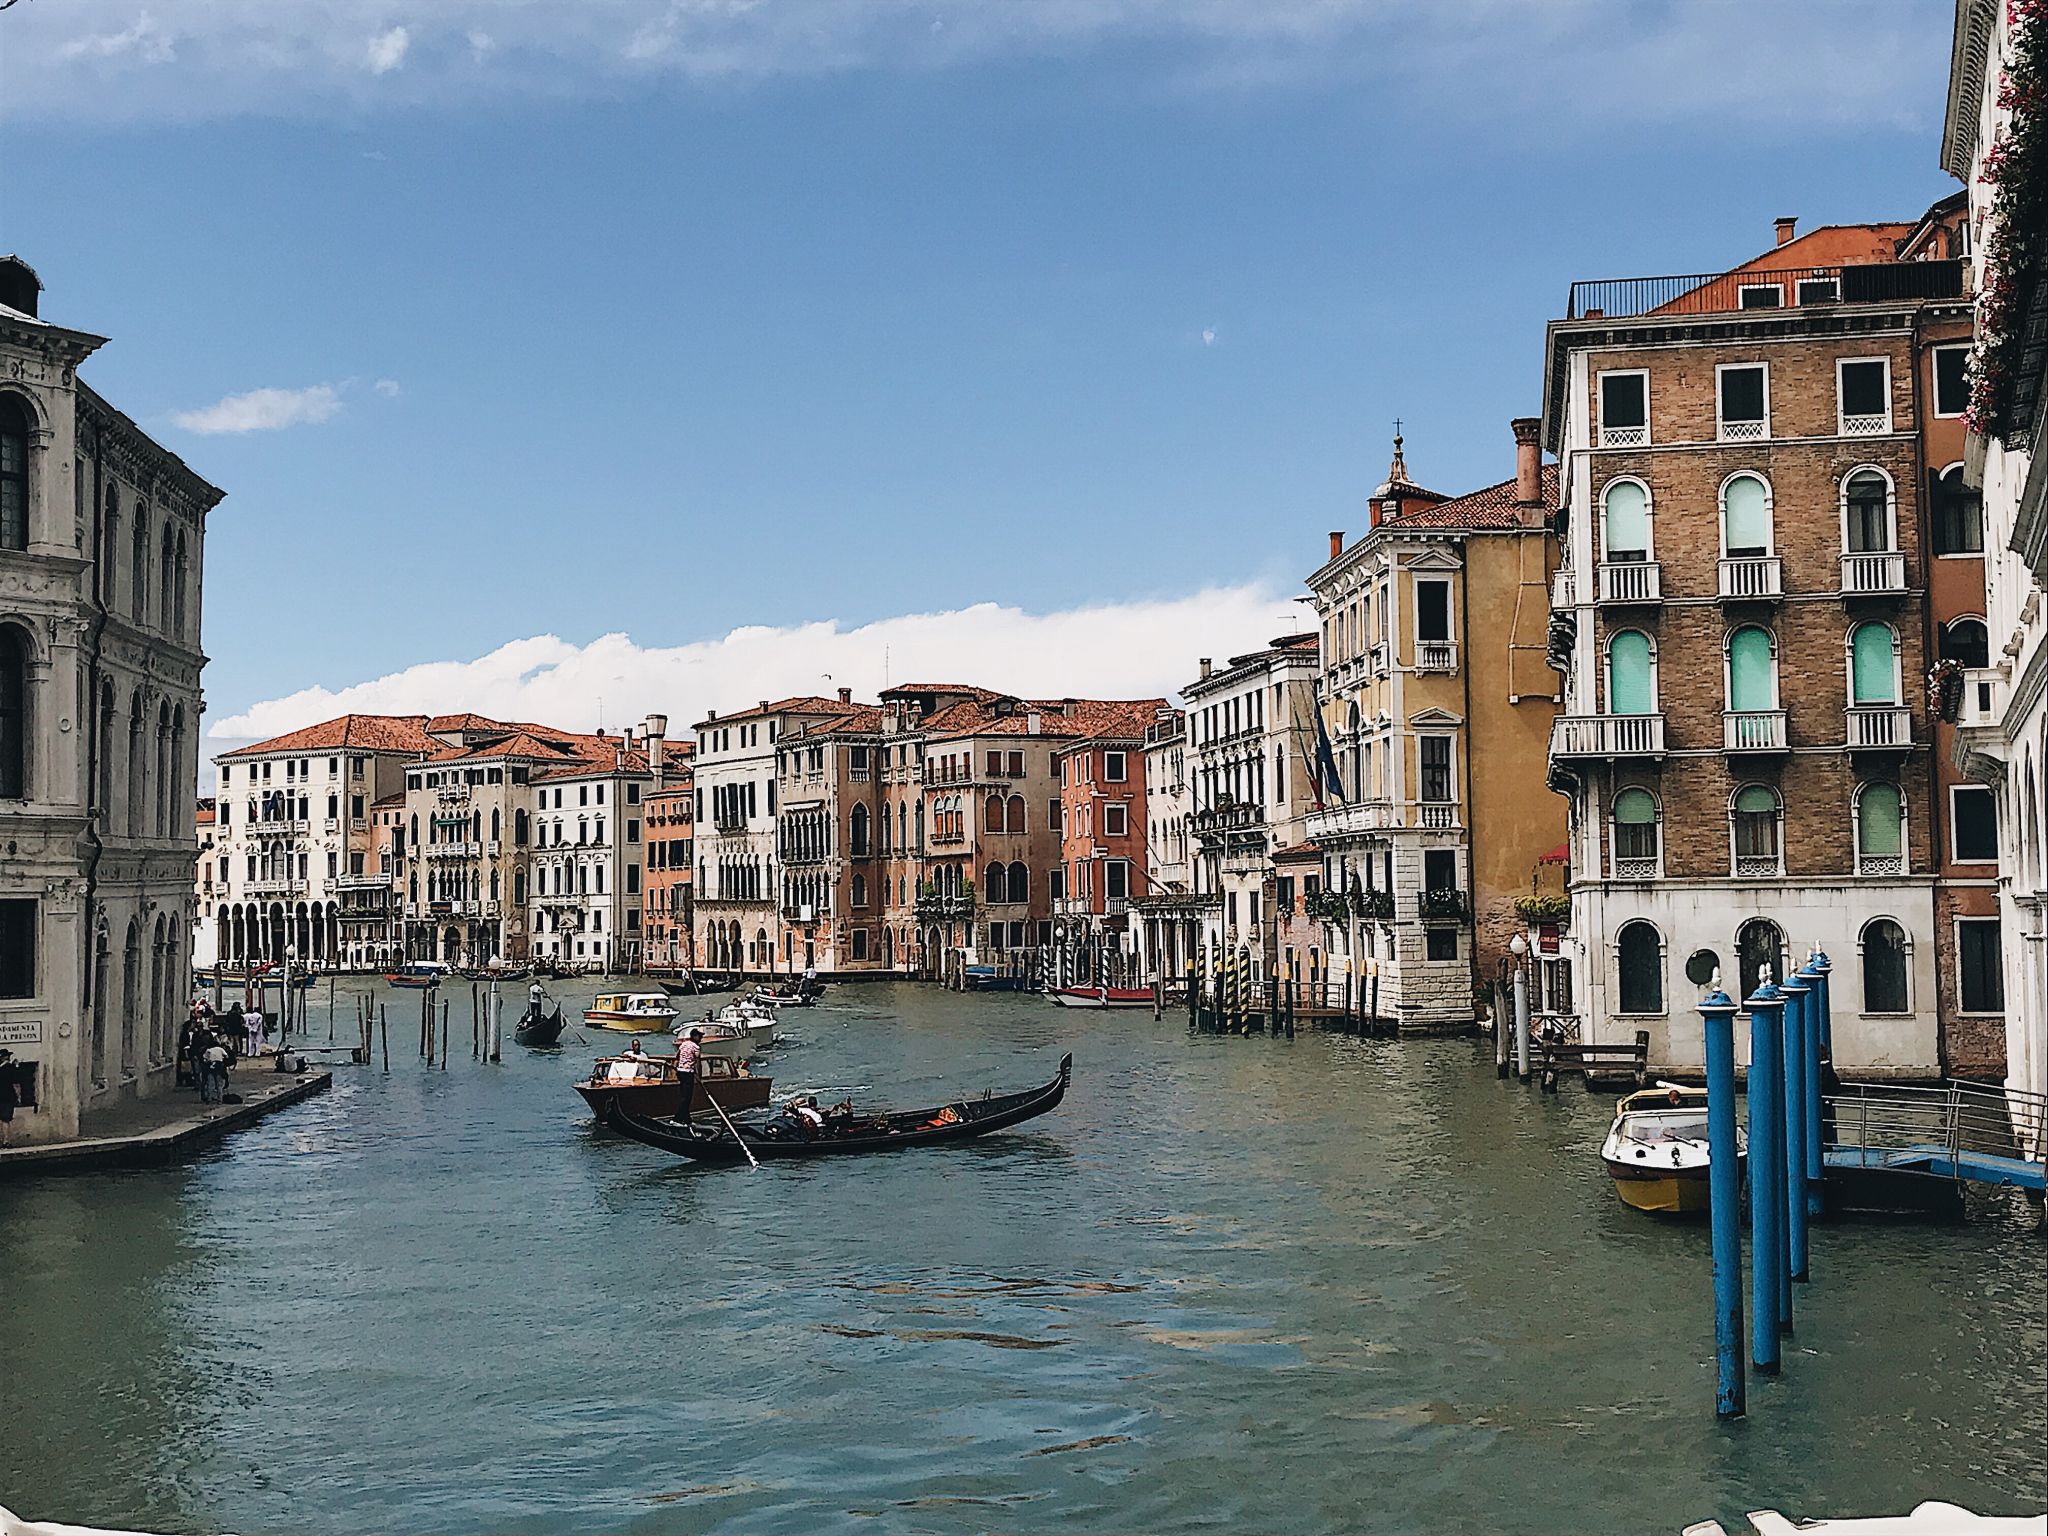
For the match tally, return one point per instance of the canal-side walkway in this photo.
(146, 1133)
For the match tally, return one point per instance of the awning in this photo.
(1561, 854)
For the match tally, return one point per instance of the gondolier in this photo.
(689, 1051)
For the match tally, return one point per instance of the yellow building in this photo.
(1436, 701)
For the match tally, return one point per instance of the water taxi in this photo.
(1656, 1151)
(631, 1011)
(419, 975)
(1101, 997)
(648, 1087)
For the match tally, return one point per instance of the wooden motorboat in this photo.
(959, 1121)
(649, 1087)
(783, 997)
(1101, 997)
(419, 975)
(631, 1011)
(732, 1035)
(1656, 1151)
(538, 1031)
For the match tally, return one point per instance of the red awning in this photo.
(1561, 854)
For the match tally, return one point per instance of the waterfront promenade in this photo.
(1324, 1285)
(140, 1133)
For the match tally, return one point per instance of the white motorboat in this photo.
(1930, 1519)
(1656, 1150)
(630, 1011)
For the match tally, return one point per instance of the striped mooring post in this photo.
(1724, 1173)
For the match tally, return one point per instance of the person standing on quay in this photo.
(689, 1053)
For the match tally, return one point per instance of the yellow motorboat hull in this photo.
(1668, 1194)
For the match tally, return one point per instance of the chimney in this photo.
(1033, 723)
(1208, 666)
(1528, 460)
(1336, 542)
(20, 288)
(656, 727)
(764, 706)
(1787, 228)
(846, 695)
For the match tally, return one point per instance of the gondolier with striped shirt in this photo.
(689, 1052)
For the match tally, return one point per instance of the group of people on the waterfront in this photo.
(211, 1042)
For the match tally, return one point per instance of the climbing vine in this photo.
(2016, 168)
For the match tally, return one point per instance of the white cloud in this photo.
(263, 410)
(388, 388)
(387, 50)
(1208, 335)
(1120, 650)
(1882, 60)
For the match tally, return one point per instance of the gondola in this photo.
(538, 1031)
(697, 983)
(959, 1121)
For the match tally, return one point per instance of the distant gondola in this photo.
(958, 1121)
(697, 983)
(538, 1031)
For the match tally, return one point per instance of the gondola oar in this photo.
(736, 1136)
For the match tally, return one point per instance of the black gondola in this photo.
(697, 983)
(959, 1121)
(536, 1030)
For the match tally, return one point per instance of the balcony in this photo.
(1625, 437)
(1341, 821)
(1246, 859)
(727, 824)
(1979, 704)
(1437, 816)
(1753, 730)
(1631, 581)
(1752, 579)
(362, 882)
(270, 887)
(1445, 904)
(938, 908)
(1749, 430)
(1563, 589)
(1436, 656)
(1879, 728)
(1866, 424)
(1706, 293)
(1873, 575)
(492, 848)
(277, 827)
(1606, 736)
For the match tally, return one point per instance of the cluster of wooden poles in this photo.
(1226, 1000)
(486, 1027)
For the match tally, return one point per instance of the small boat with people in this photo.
(419, 975)
(1101, 997)
(648, 1086)
(840, 1132)
(631, 1011)
(1656, 1151)
(694, 983)
(538, 1029)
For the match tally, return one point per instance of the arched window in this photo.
(1013, 814)
(857, 838)
(105, 798)
(1745, 517)
(992, 884)
(1867, 512)
(1641, 955)
(1752, 670)
(1883, 943)
(1637, 840)
(1625, 522)
(494, 823)
(14, 439)
(1019, 883)
(1755, 810)
(1759, 945)
(519, 825)
(13, 710)
(138, 781)
(1631, 684)
(992, 814)
(138, 570)
(1966, 642)
(1958, 513)
(1873, 664)
(518, 888)
(860, 890)
(167, 573)
(182, 582)
(1880, 830)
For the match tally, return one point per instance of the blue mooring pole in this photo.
(1766, 1174)
(1819, 1046)
(1724, 1173)
(1799, 1007)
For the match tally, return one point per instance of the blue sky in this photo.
(660, 320)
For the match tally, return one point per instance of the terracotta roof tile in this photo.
(797, 704)
(1494, 506)
(348, 733)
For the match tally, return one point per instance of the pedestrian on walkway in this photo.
(213, 1071)
(8, 1093)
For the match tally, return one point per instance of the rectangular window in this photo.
(333, 864)
(1432, 610)
(1819, 290)
(1016, 765)
(632, 794)
(1440, 943)
(1056, 815)
(18, 948)
(1744, 401)
(1863, 396)
(1434, 753)
(1624, 409)
(1115, 820)
(1439, 870)
(1116, 879)
(1951, 380)
(1113, 767)
(1974, 825)
(632, 879)
(995, 765)
(1761, 295)
(1981, 974)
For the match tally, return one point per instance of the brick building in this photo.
(1104, 863)
(670, 821)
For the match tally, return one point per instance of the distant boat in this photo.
(649, 1086)
(419, 975)
(1101, 997)
(1656, 1151)
(538, 1031)
(630, 1011)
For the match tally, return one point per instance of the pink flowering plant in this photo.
(2016, 253)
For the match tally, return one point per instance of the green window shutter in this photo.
(1627, 522)
(1873, 678)
(1881, 821)
(1746, 525)
(1628, 675)
(1749, 670)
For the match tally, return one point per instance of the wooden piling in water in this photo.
(444, 1037)
(384, 1029)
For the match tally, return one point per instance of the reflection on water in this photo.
(1301, 1286)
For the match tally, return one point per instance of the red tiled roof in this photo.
(206, 814)
(1091, 718)
(856, 719)
(1494, 506)
(797, 704)
(349, 733)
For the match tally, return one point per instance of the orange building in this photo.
(670, 827)
(1103, 855)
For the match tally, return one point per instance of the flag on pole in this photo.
(1329, 782)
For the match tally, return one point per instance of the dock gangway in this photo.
(1972, 1133)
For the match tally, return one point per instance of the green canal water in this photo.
(1324, 1285)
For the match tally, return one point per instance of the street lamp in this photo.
(284, 1001)
(1518, 946)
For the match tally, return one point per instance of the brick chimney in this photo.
(1528, 460)
(1787, 228)
(846, 695)
(655, 728)
(1208, 666)
(1336, 542)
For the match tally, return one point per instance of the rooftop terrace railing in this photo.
(1701, 293)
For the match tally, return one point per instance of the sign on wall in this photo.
(21, 1031)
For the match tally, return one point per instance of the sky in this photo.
(571, 361)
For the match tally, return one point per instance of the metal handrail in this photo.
(1957, 1117)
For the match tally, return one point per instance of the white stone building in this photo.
(2004, 739)
(589, 860)
(102, 534)
(1166, 921)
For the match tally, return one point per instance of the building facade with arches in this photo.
(102, 535)
(1763, 566)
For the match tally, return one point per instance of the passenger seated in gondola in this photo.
(812, 1117)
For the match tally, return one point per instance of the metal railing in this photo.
(1701, 293)
(1954, 1119)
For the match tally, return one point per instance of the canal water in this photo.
(1325, 1285)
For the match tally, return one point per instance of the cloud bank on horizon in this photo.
(213, 58)
(1125, 650)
